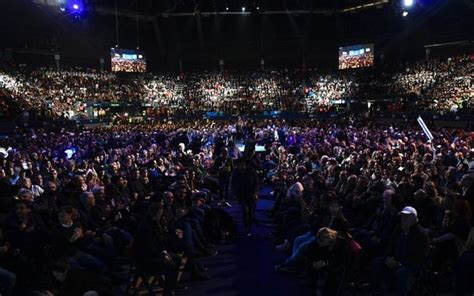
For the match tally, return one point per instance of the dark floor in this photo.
(246, 266)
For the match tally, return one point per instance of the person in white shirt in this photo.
(37, 187)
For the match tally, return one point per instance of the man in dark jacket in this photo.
(224, 166)
(25, 231)
(245, 187)
(46, 204)
(151, 250)
(406, 254)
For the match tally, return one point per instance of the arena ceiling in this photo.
(204, 31)
(191, 6)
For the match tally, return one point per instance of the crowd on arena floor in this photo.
(435, 85)
(80, 204)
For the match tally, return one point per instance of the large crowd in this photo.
(446, 85)
(347, 61)
(436, 85)
(78, 207)
(124, 65)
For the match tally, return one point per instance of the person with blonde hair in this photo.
(303, 244)
(331, 256)
(326, 237)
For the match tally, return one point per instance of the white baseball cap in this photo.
(3, 152)
(409, 211)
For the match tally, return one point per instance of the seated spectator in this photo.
(25, 231)
(78, 282)
(406, 254)
(464, 267)
(331, 257)
(304, 244)
(70, 240)
(427, 207)
(375, 236)
(448, 245)
(151, 251)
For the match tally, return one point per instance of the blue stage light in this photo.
(75, 7)
(408, 3)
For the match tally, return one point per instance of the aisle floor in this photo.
(245, 267)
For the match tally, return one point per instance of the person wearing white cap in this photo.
(406, 253)
(3, 152)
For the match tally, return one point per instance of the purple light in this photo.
(75, 6)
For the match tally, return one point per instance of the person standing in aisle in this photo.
(224, 165)
(245, 188)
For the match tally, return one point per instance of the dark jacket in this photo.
(385, 226)
(464, 275)
(338, 257)
(469, 196)
(149, 243)
(427, 212)
(244, 183)
(417, 246)
(224, 166)
(28, 239)
(339, 224)
(94, 218)
(46, 205)
(61, 241)
(79, 281)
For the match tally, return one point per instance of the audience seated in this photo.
(435, 85)
(379, 199)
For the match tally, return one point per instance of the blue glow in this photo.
(75, 6)
(408, 3)
(70, 152)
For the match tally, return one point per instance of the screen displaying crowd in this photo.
(356, 56)
(77, 205)
(127, 60)
(435, 85)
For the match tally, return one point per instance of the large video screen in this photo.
(356, 56)
(127, 60)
